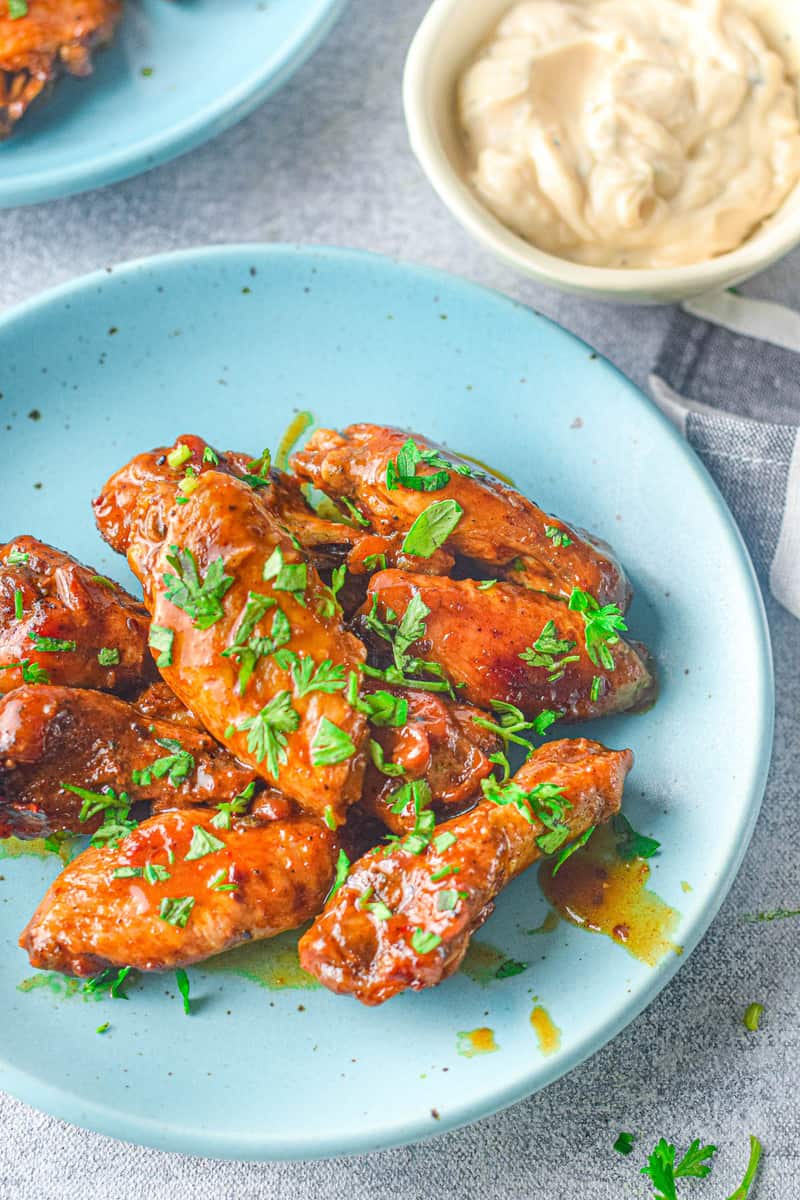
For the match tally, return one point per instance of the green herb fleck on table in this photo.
(624, 1143)
(664, 1172)
(752, 1016)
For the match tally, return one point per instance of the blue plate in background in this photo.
(229, 343)
(175, 75)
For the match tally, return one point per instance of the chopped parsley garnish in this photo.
(19, 608)
(602, 625)
(129, 873)
(446, 900)
(417, 793)
(544, 803)
(182, 980)
(380, 910)
(381, 708)
(202, 843)
(102, 1028)
(569, 850)
(329, 818)
(114, 978)
(176, 910)
(96, 802)
(624, 1143)
(17, 9)
(220, 882)
(108, 657)
(209, 456)
(342, 871)
(423, 941)
(161, 638)
(403, 471)
(178, 456)
(485, 584)
(443, 841)
(33, 673)
(338, 576)
(545, 719)
(631, 844)
(330, 745)
(375, 562)
(594, 690)
(259, 469)
(177, 766)
(510, 967)
(227, 808)
(286, 577)
(432, 528)
(199, 599)
(104, 581)
(664, 1172)
(17, 558)
(324, 678)
(557, 536)
(248, 653)
(443, 873)
(551, 652)
(386, 768)
(48, 645)
(155, 873)
(752, 1016)
(267, 730)
(400, 636)
(509, 724)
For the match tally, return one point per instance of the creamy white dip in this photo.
(630, 133)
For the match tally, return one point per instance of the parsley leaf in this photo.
(33, 673)
(182, 980)
(342, 871)
(403, 472)
(48, 645)
(17, 558)
(569, 850)
(381, 708)
(17, 9)
(602, 625)
(266, 731)
(624, 1143)
(330, 745)
(432, 528)
(202, 843)
(543, 803)
(161, 638)
(631, 844)
(545, 651)
(386, 768)
(557, 536)
(199, 599)
(286, 577)
(227, 808)
(424, 941)
(663, 1172)
(325, 678)
(177, 766)
(400, 637)
(209, 456)
(108, 657)
(510, 723)
(176, 910)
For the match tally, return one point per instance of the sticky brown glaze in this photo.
(64, 600)
(133, 507)
(477, 637)
(442, 745)
(224, 519)
(54, 36)
(351, 950)
(50, 736)
(498, 525)
(89, 919)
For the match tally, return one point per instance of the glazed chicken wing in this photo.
(512, 645)
(440, 743)
(404, 919)
(206, 889)
(51, 36)
(497, 527)
(255, 645)
(54, 738)
(61, 622)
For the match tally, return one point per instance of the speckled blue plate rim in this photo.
(206, 123)
(316, 1144)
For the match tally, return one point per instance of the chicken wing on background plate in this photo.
(404, 919)
(392, 477)
(61, 622)
(178, 889)
(508, 644)
(48, 38)
(62, 749)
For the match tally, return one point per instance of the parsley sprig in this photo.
(401, 635)
(177, 766)
(664, 1172)
(248, 648)
(267, 730)
(602, 627)
(201, 599)
(306, 677)
(551, 652)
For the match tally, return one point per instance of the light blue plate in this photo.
(228, 343)
(207, 64)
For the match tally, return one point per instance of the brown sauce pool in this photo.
(598, 891)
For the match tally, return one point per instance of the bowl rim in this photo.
(456, 194)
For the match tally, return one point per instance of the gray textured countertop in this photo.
(326, 161)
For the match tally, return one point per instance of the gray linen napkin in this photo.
(728, 375)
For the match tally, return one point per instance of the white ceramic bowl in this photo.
(445, 42)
